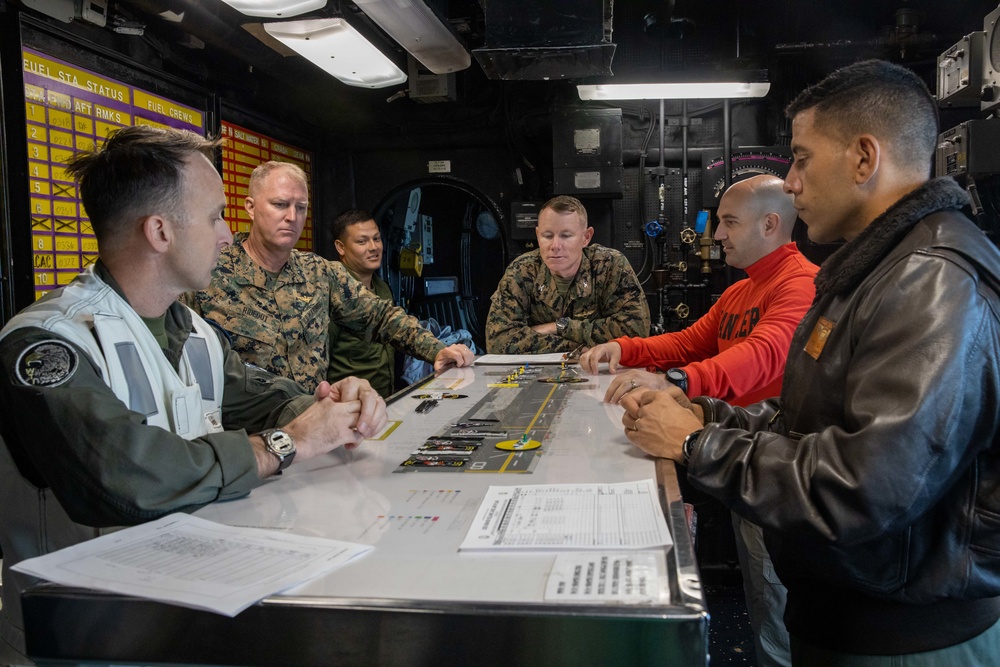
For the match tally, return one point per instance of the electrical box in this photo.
(990, 91)
(427, 238)
(960, 72)
(92, 11)
(587, 152)
(440, 285)
(524, 219)
(427, 87)
(970, 148)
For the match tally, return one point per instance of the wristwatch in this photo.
(678, 377)
(561, 325)
(281, 445)
(688, 445)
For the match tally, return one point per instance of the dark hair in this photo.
(879, 98)
(566, 204)
(351, 216)
(136, 173)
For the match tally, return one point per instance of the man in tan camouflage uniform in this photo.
(276, 302)
(566, 293)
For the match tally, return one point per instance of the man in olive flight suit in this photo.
(120, 405)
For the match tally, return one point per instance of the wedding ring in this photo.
(635, 424)
(633, 383)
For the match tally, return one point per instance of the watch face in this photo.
(281, 443)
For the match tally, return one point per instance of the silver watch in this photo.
(281, 445)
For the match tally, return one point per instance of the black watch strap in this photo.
(281, 445)
(688, 445)
(678, 377)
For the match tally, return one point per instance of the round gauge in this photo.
(773, 161)
(743, 172)
(487, 226)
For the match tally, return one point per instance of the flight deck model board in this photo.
(70, 109)
(505, 431)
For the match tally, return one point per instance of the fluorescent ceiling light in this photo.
(275, 8)
(419, 31)
(672, 91)
(338, 49)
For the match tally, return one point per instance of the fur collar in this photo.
(845, 269)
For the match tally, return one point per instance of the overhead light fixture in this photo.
(275, 9)
(419, 30)
(673, 91)
(340, 50)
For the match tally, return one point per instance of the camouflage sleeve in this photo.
(508, 330)
(190, 299)
(357, 309)
(618, 292)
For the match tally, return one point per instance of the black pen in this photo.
(426, 406)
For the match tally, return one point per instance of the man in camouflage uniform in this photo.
(359, 244)
(276, 302)
(566, 293)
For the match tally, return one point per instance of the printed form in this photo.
(626, 515)
(188, 561)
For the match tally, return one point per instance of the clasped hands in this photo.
(344, 413)
(658, 421)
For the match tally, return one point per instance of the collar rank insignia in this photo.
(817, 340)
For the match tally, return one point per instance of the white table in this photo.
(415, 599)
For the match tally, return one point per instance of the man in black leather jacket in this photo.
(876, 475)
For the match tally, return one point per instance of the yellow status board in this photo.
(70, 109)
(244, 150)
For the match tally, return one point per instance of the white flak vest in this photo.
(186, 401)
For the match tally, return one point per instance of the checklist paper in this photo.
(626, 515)
(188, 561)
(627, 577)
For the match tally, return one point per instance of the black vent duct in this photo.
(557, 39)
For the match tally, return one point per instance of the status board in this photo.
(70, 109)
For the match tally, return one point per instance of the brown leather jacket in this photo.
(877, 474)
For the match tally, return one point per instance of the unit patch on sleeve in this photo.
(47, 363)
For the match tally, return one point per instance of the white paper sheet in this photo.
(188, 561)
(521, 359)
(569, 516)
(628, 577)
